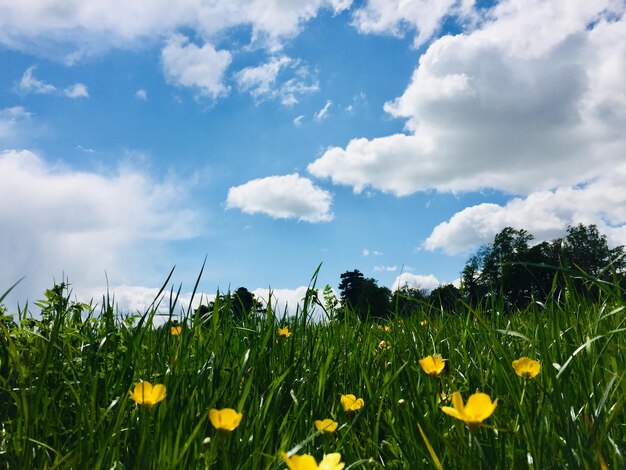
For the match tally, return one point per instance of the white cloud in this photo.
(134, 299)
(545, 214)
(282, 197)
(323, 113)
(141, 94)
(202, 68)
(395, 17)
(389, 269)
(58, 221)
(298, 120)
(367, 252)
(416, 281)
(283, 300)
(12, 121)
(78, 90)
(263, 82)
(531, 101)
(73, 30)
(29, 84)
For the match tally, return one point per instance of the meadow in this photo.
(66, 381)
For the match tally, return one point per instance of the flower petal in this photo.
(332, 462)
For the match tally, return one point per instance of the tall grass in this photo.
(64, 387)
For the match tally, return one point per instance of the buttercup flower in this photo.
(478, 408)
(433, 365)
(527, 368)
(307, 462)
(176, 330)
(226, 419)
(384, 345)
(423, 322)
(326, 426)
(284, 332)
(351, 402)
(148, 395)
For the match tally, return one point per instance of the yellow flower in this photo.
(284, 332)
(423, 322)
(326, 426)
(147, 395)
(433, 365)
(176, 330)
(384, 345)
(527, 368)
(351, 402)
(307, 462)
(226, 419)
(478, 408)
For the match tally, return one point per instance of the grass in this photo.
(65, 381)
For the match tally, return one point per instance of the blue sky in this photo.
(388, 136)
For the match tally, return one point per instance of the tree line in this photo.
(512, 270)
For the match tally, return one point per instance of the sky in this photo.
(271, 136)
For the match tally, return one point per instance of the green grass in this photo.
(64, 384)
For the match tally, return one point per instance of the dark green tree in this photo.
(445, 297)
(364, 296)
(350, 287)
(406, 299)
(585, 248)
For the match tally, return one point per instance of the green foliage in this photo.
(519, 273)
(65, 382)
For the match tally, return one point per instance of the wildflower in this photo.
(384, 345)
(351, 402)
(226, 419)
(433, 365)
(326, 426)
(384, 327)
(527, 368)
(148, 395)
(423, 322)
(284, 332)
(307, 462)
(176, 330)
(478, 408)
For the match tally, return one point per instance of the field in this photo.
(65, 383)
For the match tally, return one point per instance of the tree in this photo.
(445, 297)
(586, 249)
(350, 287)
(407, 299)
(239, 304)
(363, 295)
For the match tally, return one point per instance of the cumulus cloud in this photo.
(57, 222)
(530, 101)
(12, 121)
(282, 197)
(202, 68)
(141, 94)
(396, 17)
(77, 29)
(416, 281)
(545, 214)
(265, 82)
